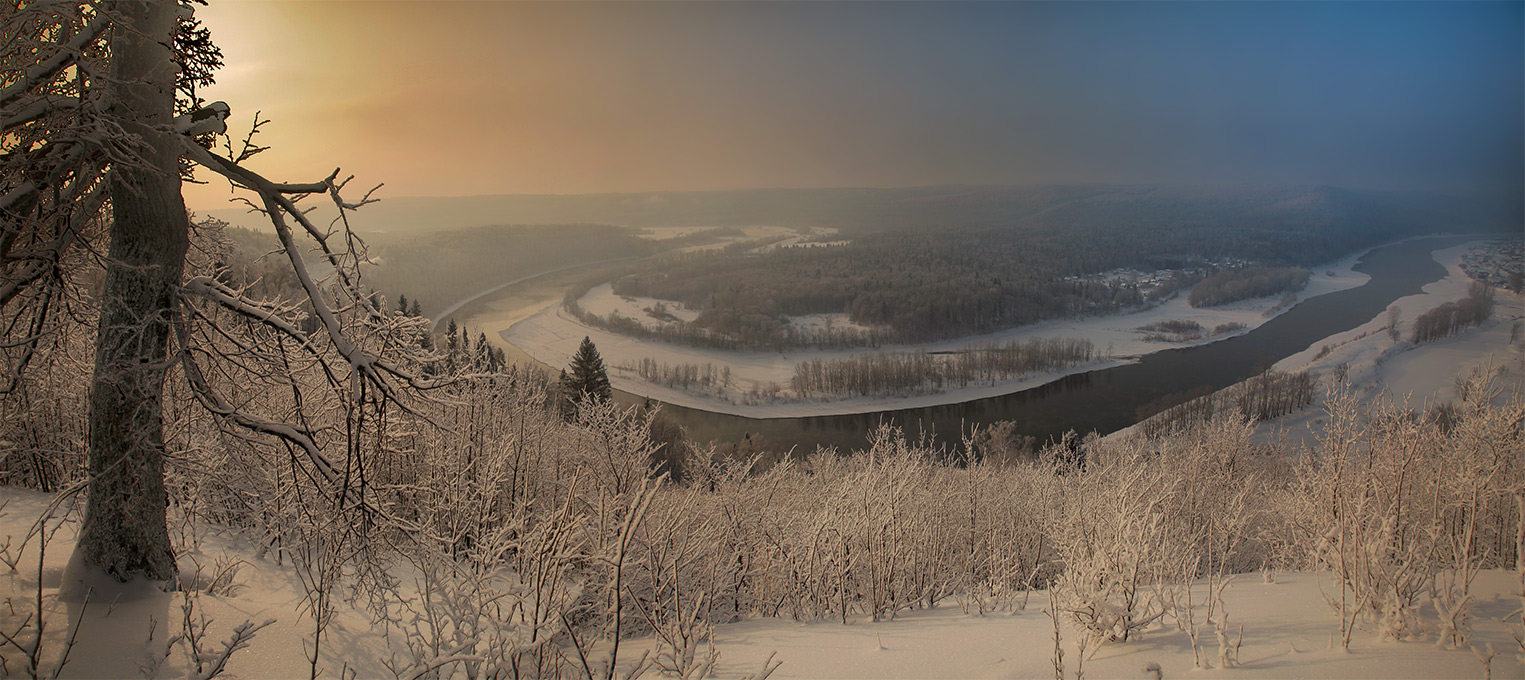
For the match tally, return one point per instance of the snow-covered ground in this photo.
(1287, 634)
(551, 336)
(1288, 629)
(602, 301)
(123, 630)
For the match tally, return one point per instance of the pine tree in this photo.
(402, 304)
(587, 379)
(452, 347)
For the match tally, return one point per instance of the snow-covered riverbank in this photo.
(551, 336)
(1420, 375)
(1399, 371)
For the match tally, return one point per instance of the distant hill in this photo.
(1057, 206)
(439, 267)
(436, 249)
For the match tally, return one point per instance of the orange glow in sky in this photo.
(445, 98)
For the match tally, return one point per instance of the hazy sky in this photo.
(457, 98)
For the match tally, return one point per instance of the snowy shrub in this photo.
(43, 434)
(1407, 513)
(1110, 538)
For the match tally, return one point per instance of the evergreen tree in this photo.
(402, 304)
(483, 354)
(587, 378)
(452, 347)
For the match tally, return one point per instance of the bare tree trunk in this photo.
(124, 531)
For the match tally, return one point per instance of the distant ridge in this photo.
(869, 209)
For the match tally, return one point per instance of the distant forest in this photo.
(950, 279)
(922, 263)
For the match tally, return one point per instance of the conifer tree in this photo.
(587, 378)
(486, 357)
(452, 347)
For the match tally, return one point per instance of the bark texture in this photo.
(125, 532)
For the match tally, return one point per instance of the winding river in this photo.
(1107, 400)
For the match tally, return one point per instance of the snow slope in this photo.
(1288, 628)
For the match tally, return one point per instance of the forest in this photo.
(534, 541)
(953, 279)
(490, 533)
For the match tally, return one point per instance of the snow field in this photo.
(1288, 629)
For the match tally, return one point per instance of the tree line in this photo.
(1268, 394)
(1450, 318)
(575, 523)
(1250, 282)
(681, 375)
(900, 373)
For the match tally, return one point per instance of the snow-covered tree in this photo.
(96, 141)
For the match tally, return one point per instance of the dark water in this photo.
(1107, 400)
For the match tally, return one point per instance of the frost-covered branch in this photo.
(49, 68)
(296, 435)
